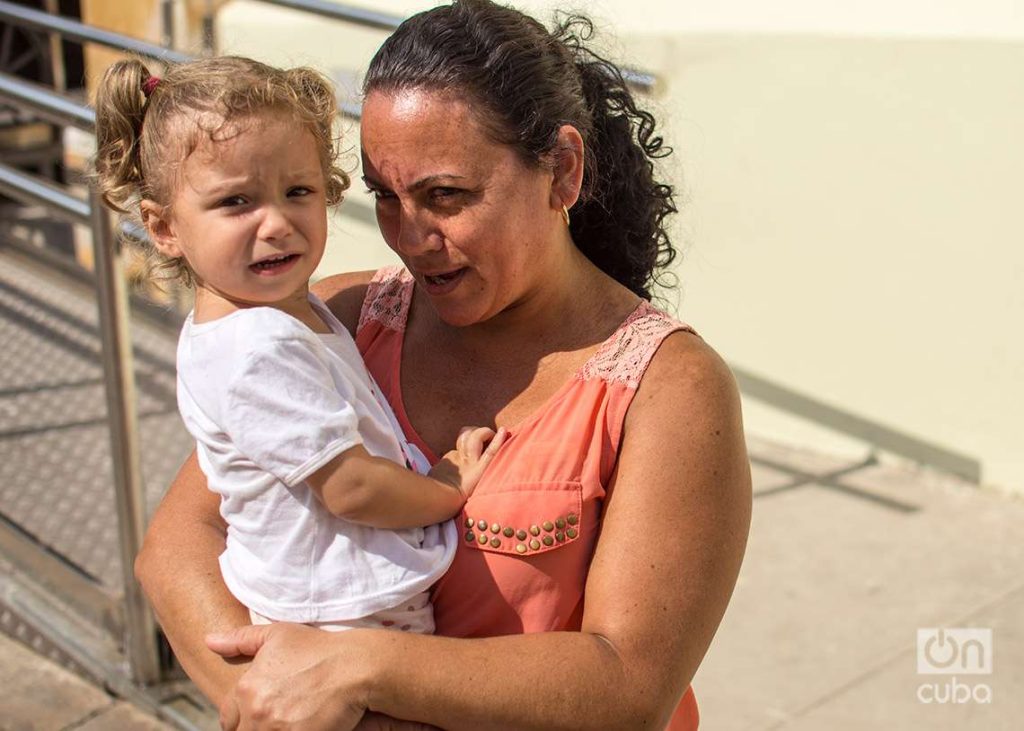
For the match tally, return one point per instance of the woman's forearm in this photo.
(179, 572)
(545, 681)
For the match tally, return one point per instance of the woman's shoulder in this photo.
(689, 373)
(344, 294)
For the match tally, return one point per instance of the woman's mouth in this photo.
(437, 284)
(274, 265)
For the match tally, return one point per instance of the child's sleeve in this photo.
(284, 412)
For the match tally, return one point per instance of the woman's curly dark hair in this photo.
(526, 82)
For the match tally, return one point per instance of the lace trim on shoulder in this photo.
(387, 299)
(626, 355)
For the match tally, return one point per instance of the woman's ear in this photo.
(156, 218)
(567, 157)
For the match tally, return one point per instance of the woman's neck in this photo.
(577, 306)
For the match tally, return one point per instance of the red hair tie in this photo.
(149, 84)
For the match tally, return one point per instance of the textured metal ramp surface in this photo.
(55, 473)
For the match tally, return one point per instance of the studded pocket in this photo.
(523, 519)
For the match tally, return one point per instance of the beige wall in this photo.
(851, 231)
(851, 178)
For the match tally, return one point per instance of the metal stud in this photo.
(481, 524)
(470, 536)
(559, 536)
(548, 540)
(482, 540)
(495, 528)
(573, 519)
(534, 530)
(560, 523)
(571, 533)
(495, 543)
(534, 544)
(508, 532)
(469, 522)
(548, 525)
(521, 534)
(520, 548)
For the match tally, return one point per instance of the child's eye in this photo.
(298, 191)
(232, 201)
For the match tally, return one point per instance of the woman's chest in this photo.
(441, 395)
(528, 531)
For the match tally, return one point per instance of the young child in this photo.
(231, 166)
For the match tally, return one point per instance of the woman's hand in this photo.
(300, 678)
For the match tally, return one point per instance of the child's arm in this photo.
(375, 491)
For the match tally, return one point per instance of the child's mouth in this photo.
(274, 264)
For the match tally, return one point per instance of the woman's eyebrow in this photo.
(419, 184)
(431, 179)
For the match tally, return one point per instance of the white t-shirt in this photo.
(270, 402)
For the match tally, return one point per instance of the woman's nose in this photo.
(274, 224)
(415, 233)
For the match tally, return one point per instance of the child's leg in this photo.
(413, 615)
(259, 618)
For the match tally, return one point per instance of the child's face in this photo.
(249, 214)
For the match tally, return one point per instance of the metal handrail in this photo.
(35, 191)
(77, 31)
(642, 80)
(49, 105)
(118, 369)
(358, 16)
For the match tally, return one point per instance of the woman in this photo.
(513, 176)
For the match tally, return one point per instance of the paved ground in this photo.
(39, 695)
(840, 576)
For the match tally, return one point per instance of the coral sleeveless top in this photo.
(529, 530)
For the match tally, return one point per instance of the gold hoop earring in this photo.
(565, 215)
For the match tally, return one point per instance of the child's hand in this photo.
(474, 450)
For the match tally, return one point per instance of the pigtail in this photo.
(120, 109)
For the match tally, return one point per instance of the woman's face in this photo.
(476, 226)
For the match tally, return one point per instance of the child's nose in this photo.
(274, 224)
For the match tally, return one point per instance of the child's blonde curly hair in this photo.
(145, 128)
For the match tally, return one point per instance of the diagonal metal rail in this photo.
(641, 80)
(77, 31)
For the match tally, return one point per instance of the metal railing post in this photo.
(140, 627)
(209, 29)
(167, 23)
(60, 80)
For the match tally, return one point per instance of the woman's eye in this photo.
(379, 194)
(444, 192)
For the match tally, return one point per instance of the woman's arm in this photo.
(178, 566)
(672, 540)
(178, 570)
